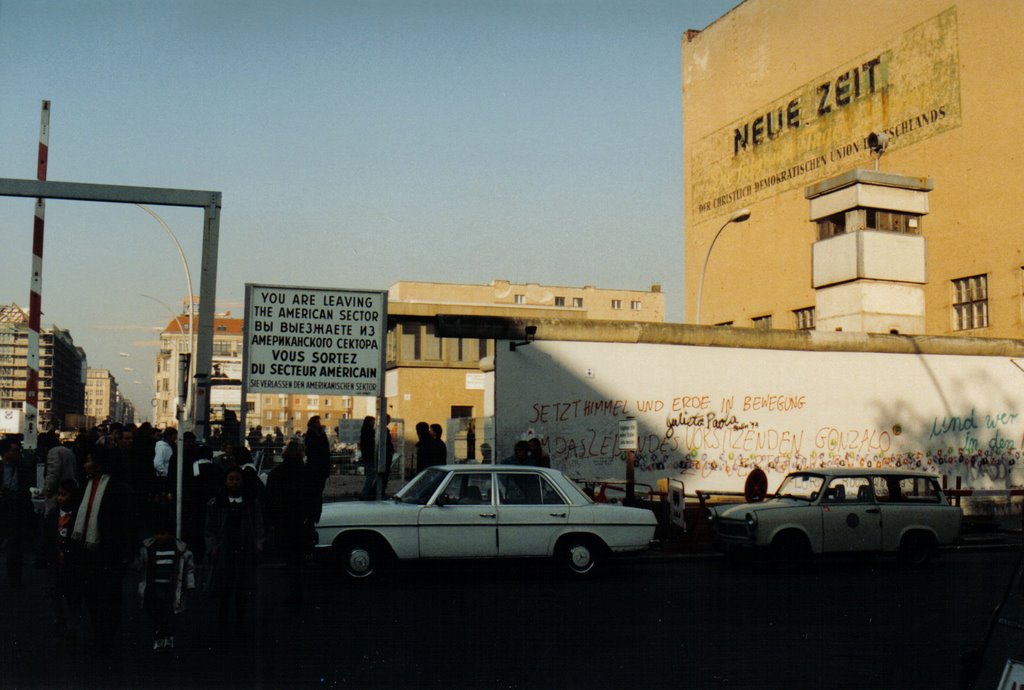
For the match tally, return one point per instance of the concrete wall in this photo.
(712, 413)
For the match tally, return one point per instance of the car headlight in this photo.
(751, 519)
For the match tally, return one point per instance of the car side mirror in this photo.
(441, 501)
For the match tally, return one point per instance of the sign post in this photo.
(628, 443)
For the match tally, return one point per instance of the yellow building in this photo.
(101, 395)
(435, 380)
(781, 97)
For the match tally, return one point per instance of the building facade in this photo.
(781, 97)
(101, 395)
(587, 302)
(62, 369)
(441, 380)
(289, 413)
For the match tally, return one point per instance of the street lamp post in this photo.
(188, 393)
(182, 413)
(739, 216)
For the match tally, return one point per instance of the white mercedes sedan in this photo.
(482, 511)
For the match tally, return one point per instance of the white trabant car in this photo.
(482, 511)
(840, 510)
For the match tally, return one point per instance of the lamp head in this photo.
(740, 216)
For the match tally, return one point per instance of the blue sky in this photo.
(356, 144)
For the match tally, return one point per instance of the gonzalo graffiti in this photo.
(712, 415)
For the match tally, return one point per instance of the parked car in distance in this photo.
(841, 510)
(482, 511)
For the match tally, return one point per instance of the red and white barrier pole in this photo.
(35, 302)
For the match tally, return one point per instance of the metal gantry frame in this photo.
(210, 202)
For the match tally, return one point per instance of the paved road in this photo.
(685, 623)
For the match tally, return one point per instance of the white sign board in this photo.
(627, 434)
(10, 421)
(712, 414)
(314, 340)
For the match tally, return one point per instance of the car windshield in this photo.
(801, 486)
(422, 486)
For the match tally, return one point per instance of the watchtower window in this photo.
(892, 221)
(831, 226)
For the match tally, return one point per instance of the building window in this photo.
(764, 322)
(577, 302)
(519, 299)
(616, 304)
(559, 301)
(970, 303)
(224, 348)
(635, 305)
(804, 319)
(892, 221)
(411, 340)
(431, 343)
(832, 226)
(470, 349)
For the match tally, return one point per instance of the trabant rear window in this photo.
(906, 490)
(803, 486)
(848, 490)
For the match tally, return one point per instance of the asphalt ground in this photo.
(32, 657)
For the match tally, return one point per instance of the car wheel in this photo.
(788, 549)
(579, 555)
(360, 559)
(916, 549)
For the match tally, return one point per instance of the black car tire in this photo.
(916, 549)
(788, 549)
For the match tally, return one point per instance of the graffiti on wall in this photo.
(719, 440)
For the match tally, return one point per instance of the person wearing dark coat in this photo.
(318, 460)
(291, 508)
(424, 447)
(234, 540)
(101, 533)
(438, 448)
(368, 451)
(58, 553)
(16, 514)
(200, 482)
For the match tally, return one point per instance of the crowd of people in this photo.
(110, 508)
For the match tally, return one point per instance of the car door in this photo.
(462, 521)
(850, 518)
(531, 514)
(913, 503)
